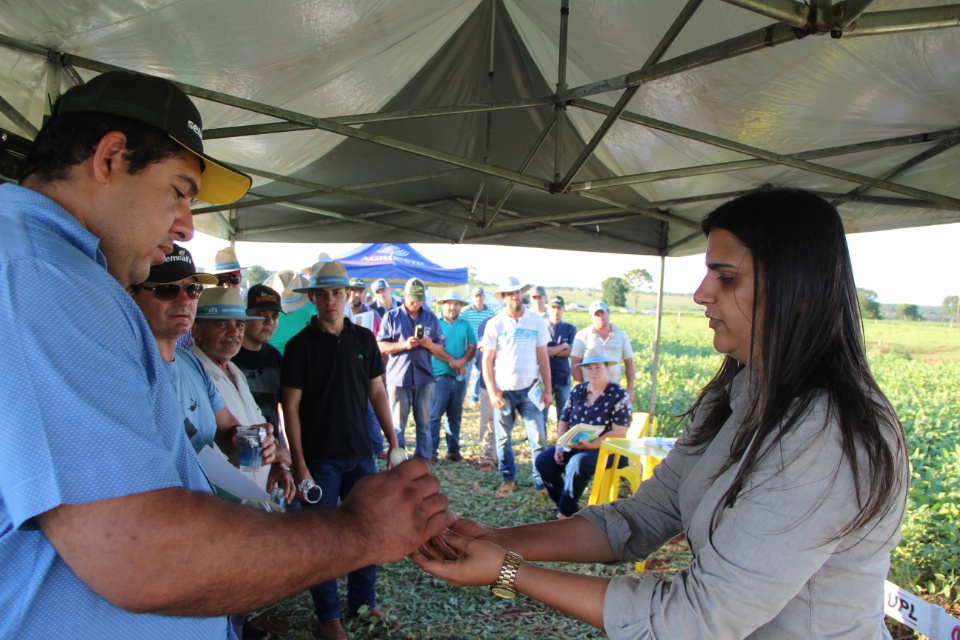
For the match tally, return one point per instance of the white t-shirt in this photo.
(515, 343)
(617, 347)
(238, 399)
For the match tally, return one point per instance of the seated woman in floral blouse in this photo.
(566, 471)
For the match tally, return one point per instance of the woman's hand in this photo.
(477, 563)
(558, 455)
(473, 529)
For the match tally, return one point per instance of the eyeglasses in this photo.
(229, 278)
(167, 292)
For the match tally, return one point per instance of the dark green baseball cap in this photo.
(159, 103)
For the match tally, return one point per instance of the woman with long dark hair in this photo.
(789, 481)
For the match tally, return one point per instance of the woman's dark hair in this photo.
(810, 340)
(70, 138)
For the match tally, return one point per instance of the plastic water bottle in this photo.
(276, 495)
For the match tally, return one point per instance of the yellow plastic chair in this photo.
(639, 466)
(606, 478)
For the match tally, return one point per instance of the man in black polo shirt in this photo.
(260, 361)
(338, 364)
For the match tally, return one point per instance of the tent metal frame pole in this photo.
(240, 235)
(655, 365)
(323, 125)
(331, 219)
(560, 105)
(523, 165)
(17, 118)
(794, 14)
(388, 116)
(558, 217)
(925, 155)
(757, 40)
(320, 190)
(848, 18)
(650, 213)
(777, 158)
(668, 38)
(904, 20)
(539, 227)
(773, 35)
(739, 165)
(848, 11)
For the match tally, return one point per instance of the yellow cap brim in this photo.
(219, 183)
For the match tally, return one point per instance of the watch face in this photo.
(503, 592)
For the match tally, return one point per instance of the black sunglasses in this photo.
(230, 279)
(167, 292)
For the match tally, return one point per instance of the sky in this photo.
(913, 266)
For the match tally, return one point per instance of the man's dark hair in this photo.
(71, 138)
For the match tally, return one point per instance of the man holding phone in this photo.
(410, 334)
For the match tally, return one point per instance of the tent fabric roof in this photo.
(399, 263)
(464, 121)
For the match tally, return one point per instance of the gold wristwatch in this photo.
(506, 584)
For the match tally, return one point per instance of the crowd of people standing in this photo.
(789, 479)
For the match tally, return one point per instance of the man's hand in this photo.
(300, 473)
(269, 444)
(496, 399)
(548, 397)
(412, 342)
(397, 511)
(279, 475)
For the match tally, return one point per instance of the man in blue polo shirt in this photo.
(410, 334)
(108, 526)
(558, 349)
(460, 341)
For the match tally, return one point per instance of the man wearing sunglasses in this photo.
(227, 269)
(168, 300)
(108, 525)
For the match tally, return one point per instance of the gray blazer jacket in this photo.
(769, 571)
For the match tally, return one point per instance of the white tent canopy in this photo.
(595, 125)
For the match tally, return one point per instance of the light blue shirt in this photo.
(94, 414)
(457, 336)
(198, 397)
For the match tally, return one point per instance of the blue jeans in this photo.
(376, 433)
(503, 419)
(447, 399)
(474, 377)
(419, 398)
(566, 482)
(336, 478)
(560, 395)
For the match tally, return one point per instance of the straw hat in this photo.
(509, 286)
(226, 261)
(222, 303)
(285, 281)
(326, 275)
(452, 295)
(594, 356)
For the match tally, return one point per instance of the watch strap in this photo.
(506, 583)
